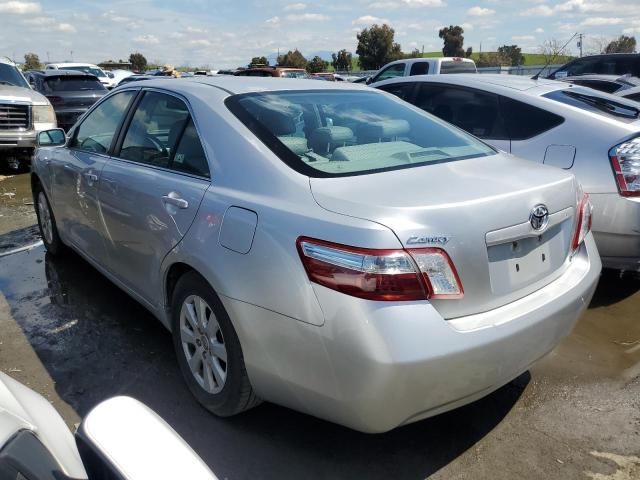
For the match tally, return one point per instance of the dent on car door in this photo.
(151, 190)
(76, 171)
(472, 110)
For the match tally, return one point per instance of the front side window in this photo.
(393, 71)
(591, 101)
(96, 131)
(341, 133)
(162, 134)
(472, 110)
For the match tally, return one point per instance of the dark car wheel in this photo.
(208, 349)
(47, 222)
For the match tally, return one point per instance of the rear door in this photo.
(151, 190)
(473, 110)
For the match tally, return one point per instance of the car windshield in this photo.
(294, 74)
(329, 133)
(90, 70)
(71, 84)
(9, 75)
(589, 100)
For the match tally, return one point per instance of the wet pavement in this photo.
(74, 337)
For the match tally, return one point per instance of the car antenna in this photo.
(535, 77)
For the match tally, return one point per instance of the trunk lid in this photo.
(481, 208)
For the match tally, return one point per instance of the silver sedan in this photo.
(324, 247)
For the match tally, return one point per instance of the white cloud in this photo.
(467, 26)
(599, 21)
(523, 38)
(147, 39)
(392, 4)
(304, 17)
(39, 21)
(295, 6)
(176, 35)
(273, 20)
(113, 16)
(539, 11)
(480, 12)
(200, 43)
(367, 20)
(20, 8)
(196, 30)
(539, 30)
(66, 28)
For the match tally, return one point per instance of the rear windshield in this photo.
(294, 74)
(9, 75)
(90, 70)
(602, 104)
(457, 67)
(329, 133)
(71, 84)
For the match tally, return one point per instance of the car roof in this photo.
(628, 91)
(238, 85)
(72, 64)
(62, 73)
(482, 80)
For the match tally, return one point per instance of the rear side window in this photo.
(602, 104)
(472, 110)
(96, 131)
(526, 121)
(71, 84)
(162, 134)
(635, 97)
(419, 68)
(457, 67)
(401, 90)
(608, 87)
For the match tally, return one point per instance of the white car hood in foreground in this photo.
(24, 409)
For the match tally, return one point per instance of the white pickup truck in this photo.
(23, 113)
(423, 66)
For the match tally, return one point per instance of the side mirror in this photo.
(52, 138)
(110, 75)
(123, 439)
(368, 80)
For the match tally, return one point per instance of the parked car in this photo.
(23, 113)
(350, 246)
(606, 64)
(555, 123)
(70, 92)
(423, 66)
(630, 94)
(280, 72)
(35, 443)
(135, 78)
(119, 75)
(89, 68)
(605, 83)
(330, 76)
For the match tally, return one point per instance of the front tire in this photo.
(47, 222)
(208, 349)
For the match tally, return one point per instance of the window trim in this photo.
(85, 115)
(115, 150)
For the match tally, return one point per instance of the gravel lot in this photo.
(71, 335)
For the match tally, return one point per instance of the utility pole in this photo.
(71, 55)
(48, 59)
(580, 43)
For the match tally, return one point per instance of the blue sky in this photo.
(226, 34)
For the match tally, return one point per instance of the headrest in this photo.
(278, 122)
(383, 129)
(327, 138)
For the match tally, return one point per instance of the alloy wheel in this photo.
(46, 223)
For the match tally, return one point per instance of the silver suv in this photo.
(23, 113)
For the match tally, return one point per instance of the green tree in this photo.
(317, 65)
(32, 62)
(623, 44)
(493, 59)
(513, 53)
(138, 62)
(259, 61)
(376, 47)
(453, 41)
(469, 52)
(292, 59)
(341, 61)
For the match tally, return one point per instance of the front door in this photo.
(76, 175)
(151, 189)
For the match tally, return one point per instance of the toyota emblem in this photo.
(539, 217)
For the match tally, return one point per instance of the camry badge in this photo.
(539, 217)
(432, 239)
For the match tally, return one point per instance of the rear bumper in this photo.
(616, 228)
(376, 365)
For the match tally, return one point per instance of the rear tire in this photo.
(208, 350)
(47, 222)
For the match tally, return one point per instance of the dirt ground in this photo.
(68, 333)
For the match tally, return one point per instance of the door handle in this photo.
(91, 177)
(175, 200)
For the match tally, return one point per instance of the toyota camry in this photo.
(325, 247)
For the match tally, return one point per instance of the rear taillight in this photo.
(625, 160)
(583, 225)
(389, 275)
(55, 100)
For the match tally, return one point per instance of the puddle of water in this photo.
(16, 210)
